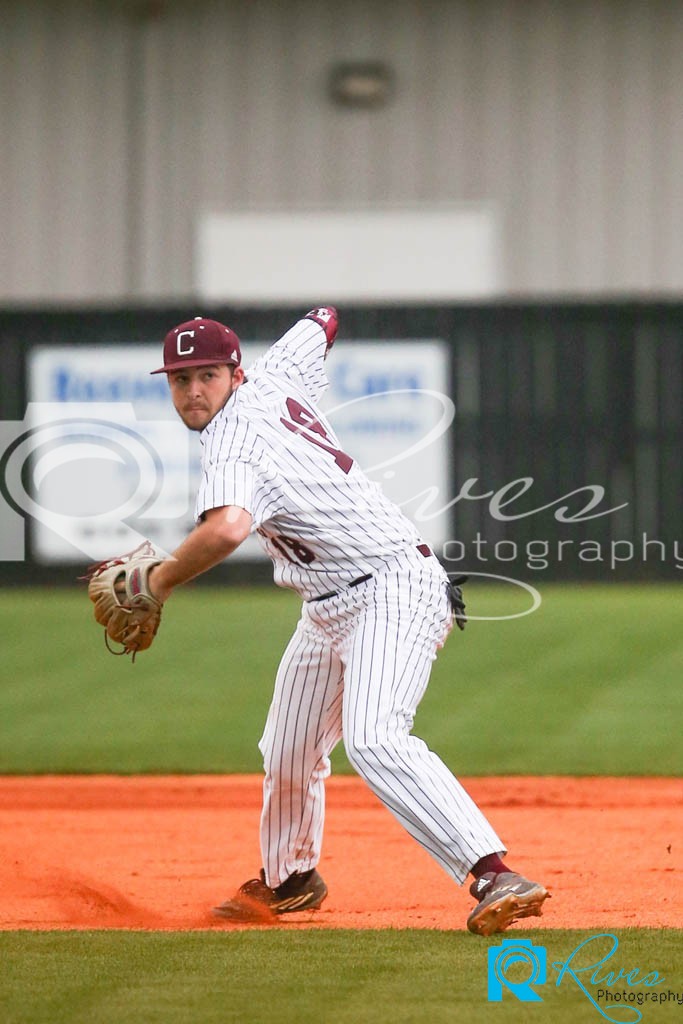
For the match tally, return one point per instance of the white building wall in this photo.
(122, 122)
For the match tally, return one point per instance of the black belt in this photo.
(424, 550)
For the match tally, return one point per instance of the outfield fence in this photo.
(565, 452)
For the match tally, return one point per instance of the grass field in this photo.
(399, 977)
(589, 684)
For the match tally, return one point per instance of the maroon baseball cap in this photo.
(200, 342)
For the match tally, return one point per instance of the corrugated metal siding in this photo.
(64, 149)
(123, 121)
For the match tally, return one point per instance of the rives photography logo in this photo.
(91, 477)
(518, 967)
(511, 953)
(89, 474)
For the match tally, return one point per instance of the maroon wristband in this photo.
(326, 317)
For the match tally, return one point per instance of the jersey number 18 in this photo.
(304, 423)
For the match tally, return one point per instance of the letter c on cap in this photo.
(179, 345)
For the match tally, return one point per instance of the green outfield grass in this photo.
(589, 684)
(341, 977)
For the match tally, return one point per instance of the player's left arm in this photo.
(220, 532)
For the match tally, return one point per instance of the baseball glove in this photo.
(124, 604)
(457, 601)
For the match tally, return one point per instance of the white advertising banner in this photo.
(420, 253)
(111, 464)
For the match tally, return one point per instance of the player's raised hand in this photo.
(328, 319)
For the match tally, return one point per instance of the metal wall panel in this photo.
(126, 120)
(63, 161)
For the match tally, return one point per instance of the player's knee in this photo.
(367, 755)
(275, 766)
(290, 769)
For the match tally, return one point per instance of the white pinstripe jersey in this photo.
(272, 452)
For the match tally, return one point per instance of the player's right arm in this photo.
(220, 532)
(327, 318)
(301, 352)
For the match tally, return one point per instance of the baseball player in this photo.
(377, 605)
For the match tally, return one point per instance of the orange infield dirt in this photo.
(158, 853)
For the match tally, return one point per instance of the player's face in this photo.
(199, 392)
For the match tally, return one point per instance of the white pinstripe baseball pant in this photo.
(357, 667)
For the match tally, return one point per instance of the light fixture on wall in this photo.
(361, 84)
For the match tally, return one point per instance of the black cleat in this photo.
(255, 901)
